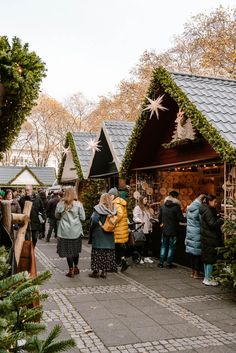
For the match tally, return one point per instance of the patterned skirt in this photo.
(103, 259)
(69, 247)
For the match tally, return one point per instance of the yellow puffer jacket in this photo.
(121, 232)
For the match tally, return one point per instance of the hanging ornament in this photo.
(65, 151)
(93, 145)
(155, 105)
(184, 129)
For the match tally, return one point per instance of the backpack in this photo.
(109, 224)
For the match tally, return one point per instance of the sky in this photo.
(91, 45)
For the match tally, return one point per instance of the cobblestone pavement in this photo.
(145, 309)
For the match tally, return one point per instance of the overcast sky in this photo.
(90, 45)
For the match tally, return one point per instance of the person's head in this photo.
(69, 196)
(8, 194)
(202, 198)
(29, 190)
(14, 193)
(105, 200)
(113, 192)
(211, 200)
(174, 194)
(142, 201)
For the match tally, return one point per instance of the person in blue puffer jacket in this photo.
(193, 236)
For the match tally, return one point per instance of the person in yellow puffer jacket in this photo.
(121, 232)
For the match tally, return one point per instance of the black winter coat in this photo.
(51, 206)
(211, 236)
(170, 217)
(36, 208)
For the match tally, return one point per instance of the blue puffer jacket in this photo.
(193, 236)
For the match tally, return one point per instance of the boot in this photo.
(70, 273)
(94, 274)
(197, 275)
(103, 274)
(76, 270)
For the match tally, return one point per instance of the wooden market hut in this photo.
(112, 139)
(18, 177)
(76, 158)
(190, 146)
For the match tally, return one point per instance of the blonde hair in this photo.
(106, 200)
(69, 197)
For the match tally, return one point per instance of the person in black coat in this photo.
(37, 208)
(211, 237)
(170, 217)
(51, 208)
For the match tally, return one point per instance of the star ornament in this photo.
(93, 145)
(155, 105)
(65, 150)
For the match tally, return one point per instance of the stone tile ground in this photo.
(146, 309)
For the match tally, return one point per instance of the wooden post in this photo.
(20, 236)
(6, 216)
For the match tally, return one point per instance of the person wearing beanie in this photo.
(170, 217)
(121, 233)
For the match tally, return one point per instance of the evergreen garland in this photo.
(70, 143)
(161, 77)
(21, 72)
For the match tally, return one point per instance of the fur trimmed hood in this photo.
(171, 201)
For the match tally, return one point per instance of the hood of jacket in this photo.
(103, 210)
(171, 201)
(120, 201)
(195, 205)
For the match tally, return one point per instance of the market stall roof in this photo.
(76, 157)
(113, 139)
(210, 105)
(215, 98)
(20, 176)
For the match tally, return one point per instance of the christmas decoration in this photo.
(93, 145)
(21, 73)
(155, 105)
(162, 78)
(65, 150)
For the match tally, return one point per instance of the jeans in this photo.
(167, 246)
(52, 226)
(208, 269)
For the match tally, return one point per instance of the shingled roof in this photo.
(215, 98)
(118, 134)
(84, 155)
(44, 175)
(209, 102)
(75, 165)
(113, 140)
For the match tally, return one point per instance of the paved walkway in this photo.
(146, 309)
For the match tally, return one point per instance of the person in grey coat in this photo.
(70, 212)
(193, 235)
(103, 244)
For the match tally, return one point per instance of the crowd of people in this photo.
(109, 229)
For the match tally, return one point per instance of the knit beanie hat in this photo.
(174, 193)
(113, 191)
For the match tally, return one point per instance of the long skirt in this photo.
(69, 247)
(103, 260)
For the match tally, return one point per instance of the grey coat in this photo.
(193, 236)
(69, 226)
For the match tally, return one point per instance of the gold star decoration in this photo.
(93, 145)
(155, 105)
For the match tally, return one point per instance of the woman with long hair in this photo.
(70, 212)
(103, 245)
(141, 214)
(15, 206)
(211, 237)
